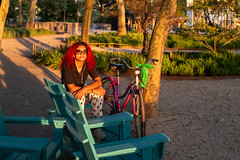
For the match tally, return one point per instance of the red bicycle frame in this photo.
(118, 97)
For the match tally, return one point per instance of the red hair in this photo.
(68, 58)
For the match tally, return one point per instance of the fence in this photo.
(9, 34)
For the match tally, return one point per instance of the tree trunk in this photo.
(3, 14)
(214, 45)
(20, 12)
(121, 18)
(145, 33)
(32, 14)
(86, 20)
(156, 49)
(102, 12)
(227, 17)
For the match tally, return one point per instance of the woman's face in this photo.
(81, 53)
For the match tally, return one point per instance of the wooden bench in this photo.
(116, 127)
(12, 148)
(149, 148)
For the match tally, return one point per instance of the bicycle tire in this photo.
(140, 117)
(109, 97)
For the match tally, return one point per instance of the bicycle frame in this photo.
(130, 91)
(133, 89)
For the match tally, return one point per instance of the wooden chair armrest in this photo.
(126, 147)
(122, 147)
(15, 144)
(130, 145)
(115, 119)
(35, 120)
(51, 111)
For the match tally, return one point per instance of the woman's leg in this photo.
(96, 102)
(82, 102)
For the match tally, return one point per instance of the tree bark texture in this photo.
(32, 14)
(3, 14)
(121, 18)
(86, 20)
(162, 26)
(20, 12)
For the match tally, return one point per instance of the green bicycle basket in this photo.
(145, 72)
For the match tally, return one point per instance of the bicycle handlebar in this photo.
(115, 59)
(120, 59)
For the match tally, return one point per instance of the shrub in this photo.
(51, 58)
(17, 32)
(224, 63)
(131, 38)
(103, 60)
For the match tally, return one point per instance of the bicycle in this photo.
(112, 96)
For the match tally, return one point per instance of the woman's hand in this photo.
(80, 93)
(100, 91)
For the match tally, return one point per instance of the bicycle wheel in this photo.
(109, 97)
(139, 118)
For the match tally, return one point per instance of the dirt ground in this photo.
(201, 116)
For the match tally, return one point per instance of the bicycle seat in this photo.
(114, 66)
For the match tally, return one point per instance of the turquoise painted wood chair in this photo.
(116, 127)
(148, 148)
(24, 148)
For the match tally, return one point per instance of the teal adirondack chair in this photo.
(21, 148)
(116, 127)
(148, 148)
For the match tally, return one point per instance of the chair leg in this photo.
(147, 154)
(36, 155)
(125, 130)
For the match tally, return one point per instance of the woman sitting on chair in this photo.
(76, 65)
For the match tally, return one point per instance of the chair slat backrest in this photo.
(87, 147)
(3, 127)
(78, 126)
(74, 111)
(57, 93)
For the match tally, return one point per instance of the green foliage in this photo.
(103, 59)
(182, 42)
(224, 63)
(13, 11)
(51, 58)
(136, 39)
(54, 10)
(217, 34)
(22, 32)
(131, 38)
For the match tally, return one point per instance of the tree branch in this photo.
(206, 45)
(228, 41)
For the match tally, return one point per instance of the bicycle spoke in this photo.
(139, 127)
(109, 97)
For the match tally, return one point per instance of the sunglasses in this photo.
(79, 52)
